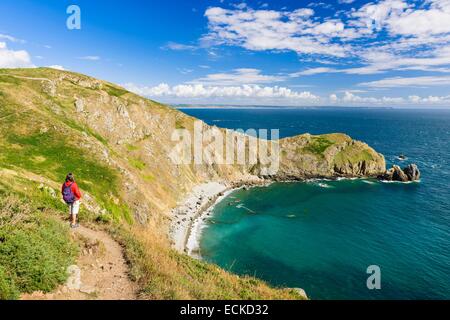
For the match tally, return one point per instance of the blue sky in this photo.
(342, 52)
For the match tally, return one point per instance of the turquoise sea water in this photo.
(322, 235)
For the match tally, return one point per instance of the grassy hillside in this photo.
(118, 144)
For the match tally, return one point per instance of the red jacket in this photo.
(74, 189)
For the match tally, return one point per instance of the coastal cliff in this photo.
(119, 145)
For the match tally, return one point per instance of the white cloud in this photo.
(14, 59)
(396, 82)
(380, 61)
(313, 71)
(57, 67)
(414, 27)
(178, 46)
(248, 92)
(351, 99)
(90, 58)
(261, 30)
(184, 70)
(11, 38)
(255, 94)
(430, 99)
(320, 4)
(333, 98)
(240, 6)
(422, 22)
(414, 99)
(395, 100)
(237, 77)
(375, 16)
(329, 28)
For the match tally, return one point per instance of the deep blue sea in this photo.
(322, 235)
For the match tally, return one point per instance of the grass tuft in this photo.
(137, 163)
(318, 145)
(115, 91)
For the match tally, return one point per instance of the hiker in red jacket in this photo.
(71, 195)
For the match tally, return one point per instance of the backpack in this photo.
(68, 195)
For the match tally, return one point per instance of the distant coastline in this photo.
(268, 107)
(207, 106)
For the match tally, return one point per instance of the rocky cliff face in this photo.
(133, 137)
(409, 173)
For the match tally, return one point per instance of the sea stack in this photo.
(409, 173)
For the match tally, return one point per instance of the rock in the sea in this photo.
(388, 175)
(409, 173)
(399, 175)
(412, 171)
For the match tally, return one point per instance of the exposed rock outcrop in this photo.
(409, 173)
(412, 171)
(79, 105)
(49, 87)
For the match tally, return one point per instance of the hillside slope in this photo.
(119, 146)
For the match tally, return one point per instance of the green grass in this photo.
(115, 91)
(131, 147)
(35, 248)
(179, 124)
(148, 177)
(58, 158)
(86, 129)
(137, 163)
(318, 145)
(8, 288)
(120, 211)
(9, 79)
(352, 154)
